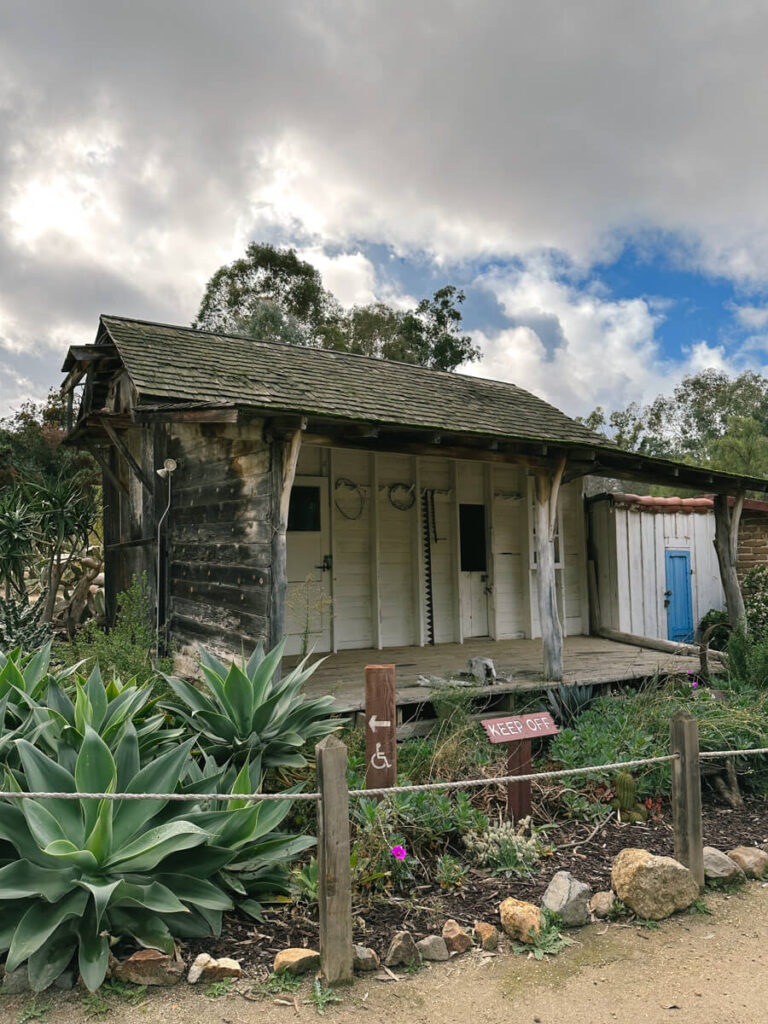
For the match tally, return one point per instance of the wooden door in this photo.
(308, 565)
(473, 547)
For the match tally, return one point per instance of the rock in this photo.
(433, 948)
(296, 961)
(568, 897)
(65, 981)
(753, 862)
(16, 981)
(518, 918)
(719, 867)
(602, 903)
(207, 969)
(455, 938)
(487, 935)
(653, 887)
(364, 959)
(483, 670)
(402, 950)
(149, 967)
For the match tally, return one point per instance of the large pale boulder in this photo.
(568, 897)
(518, 918)
(719, 867)
(653, 887)
(752, 861)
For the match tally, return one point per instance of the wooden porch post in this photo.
(727, 521)
(547, 490)
(285, 455)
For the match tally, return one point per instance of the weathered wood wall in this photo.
(220, 535)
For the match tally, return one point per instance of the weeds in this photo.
(700, 907)
(277, 984)
(414, 965)
(548, 941)
(34, 1012)
(96, 1005)
(321, 997)
(217, 989)
(450, 873)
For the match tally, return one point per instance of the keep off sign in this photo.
(380, 727)
(519, 727)
(517, 731)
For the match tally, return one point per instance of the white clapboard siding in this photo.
(629, 544)
(574, 540)
(352, 554)
(510, 552)
(435, 475)
(398, 554)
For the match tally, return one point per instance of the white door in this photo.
(473, 550)
(308, 567)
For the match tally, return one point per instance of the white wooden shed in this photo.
(655, 566)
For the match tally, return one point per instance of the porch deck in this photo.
(587, 659)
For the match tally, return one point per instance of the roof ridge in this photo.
(338, 353)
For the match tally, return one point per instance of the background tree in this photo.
(273, 295)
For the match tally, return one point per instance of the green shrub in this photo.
(250, 713)
(126, 649)
(716, 621)
(508, 848)
(755, 591)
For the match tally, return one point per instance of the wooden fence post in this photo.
(334, 882)
(686, 793)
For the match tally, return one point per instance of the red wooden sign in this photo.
(519, 727)
(517, 731)
(380, 727)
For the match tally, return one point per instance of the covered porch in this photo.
(588, 660)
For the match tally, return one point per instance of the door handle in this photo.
(326, 566)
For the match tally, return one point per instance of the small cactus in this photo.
(625, 791)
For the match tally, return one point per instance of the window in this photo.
(472, 538)
(304, 510)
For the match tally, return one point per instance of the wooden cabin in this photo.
(350, 502)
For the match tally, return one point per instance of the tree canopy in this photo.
(272, 295)
(710, 419)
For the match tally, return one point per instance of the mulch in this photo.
(424, 909)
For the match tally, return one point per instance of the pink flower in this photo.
(398, 852)
(695, 683)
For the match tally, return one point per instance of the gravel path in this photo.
(693, 968)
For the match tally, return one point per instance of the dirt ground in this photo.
(694, 969)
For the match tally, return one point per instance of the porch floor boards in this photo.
(587, 659)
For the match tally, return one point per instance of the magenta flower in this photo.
(398, 852)
(695, 683)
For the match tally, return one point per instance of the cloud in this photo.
(144, 144)
(606, 350)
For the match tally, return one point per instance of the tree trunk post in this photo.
(285, 455)
(727, 521)
(334, 880)
(547, 489)
(686, 793)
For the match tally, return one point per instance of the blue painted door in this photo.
(677, 596)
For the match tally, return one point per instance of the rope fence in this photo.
(382, 791)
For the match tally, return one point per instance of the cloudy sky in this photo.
(592, 174)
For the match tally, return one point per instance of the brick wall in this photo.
(753, 541)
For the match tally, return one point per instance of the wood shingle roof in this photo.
(182, 364)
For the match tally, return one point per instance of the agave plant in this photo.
(250, 714)
(80, 874)
(20, 624)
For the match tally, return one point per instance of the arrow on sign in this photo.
(374, 723)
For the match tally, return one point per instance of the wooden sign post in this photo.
(380, 727)
(517, 731)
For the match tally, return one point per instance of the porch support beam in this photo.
(726, 542)
(124, 450)
(285, 455)
(547, 491)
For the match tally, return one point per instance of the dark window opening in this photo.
(472, 538)
(304, 510)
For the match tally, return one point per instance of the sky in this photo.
(592, 175)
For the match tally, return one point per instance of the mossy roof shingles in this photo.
(179, 363)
